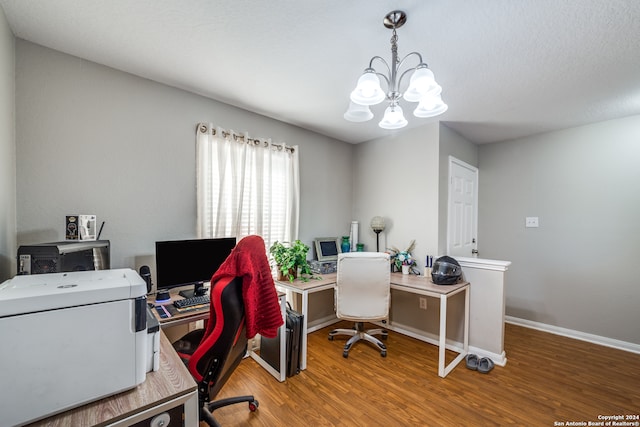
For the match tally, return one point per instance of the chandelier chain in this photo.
(394, 41)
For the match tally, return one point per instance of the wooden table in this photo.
(403, 282)
(170, 388)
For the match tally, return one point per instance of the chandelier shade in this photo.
(430, 107)
(422, 87)
(358, 113)
(393, 118)
(422, 84)
(368, 90)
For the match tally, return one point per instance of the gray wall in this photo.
(396, 177)
(7, 151)
(94, 140)
(577, 270)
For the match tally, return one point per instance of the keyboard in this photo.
(191, 302)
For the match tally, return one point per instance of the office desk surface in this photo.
(311, 284)
(398, 280)
(166, 384)
(416, 284)
(178, 318)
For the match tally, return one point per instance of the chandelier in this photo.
(422, 87)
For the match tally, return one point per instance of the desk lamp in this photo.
(377, 225)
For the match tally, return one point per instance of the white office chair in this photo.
(362, 294)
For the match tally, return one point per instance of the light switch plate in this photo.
(531, 222)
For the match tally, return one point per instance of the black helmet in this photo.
(445, 271)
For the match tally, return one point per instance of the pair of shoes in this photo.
(483, 365)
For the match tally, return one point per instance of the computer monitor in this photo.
(327, 248)
(189, 263)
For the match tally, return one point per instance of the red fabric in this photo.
(262, 308)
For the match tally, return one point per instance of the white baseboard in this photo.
(498, 359)
(570, 333)
(457, 346)
(418, 334)
(321, 323)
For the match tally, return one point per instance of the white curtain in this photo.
(246, 186)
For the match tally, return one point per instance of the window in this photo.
(246, 186)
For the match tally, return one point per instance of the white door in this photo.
(463, 209)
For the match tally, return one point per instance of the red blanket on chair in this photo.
(262, 308)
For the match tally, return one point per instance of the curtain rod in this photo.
(202, 128)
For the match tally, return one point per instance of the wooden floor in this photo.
(548, 380)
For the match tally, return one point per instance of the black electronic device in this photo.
(145, 273)
(327, 248)
(189, 263)
(270, 347)
(196, 301)
(59, 257)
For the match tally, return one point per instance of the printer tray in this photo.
(270, 347)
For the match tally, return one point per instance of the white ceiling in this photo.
(508, 68)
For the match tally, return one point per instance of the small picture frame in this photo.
(87, 227)
(71, 227)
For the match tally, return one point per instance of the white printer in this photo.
(69, 338)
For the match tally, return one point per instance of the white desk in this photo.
(408, 283)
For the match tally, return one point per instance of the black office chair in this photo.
(211, 360)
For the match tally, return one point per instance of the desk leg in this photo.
(443, 370)
(305, 320)
(466, 320)
(283, 340)
(443, 335)
(191, 411)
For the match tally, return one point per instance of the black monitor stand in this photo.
(198, 290)
(163, 295)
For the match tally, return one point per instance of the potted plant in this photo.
(402, 260)
(289, 258)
